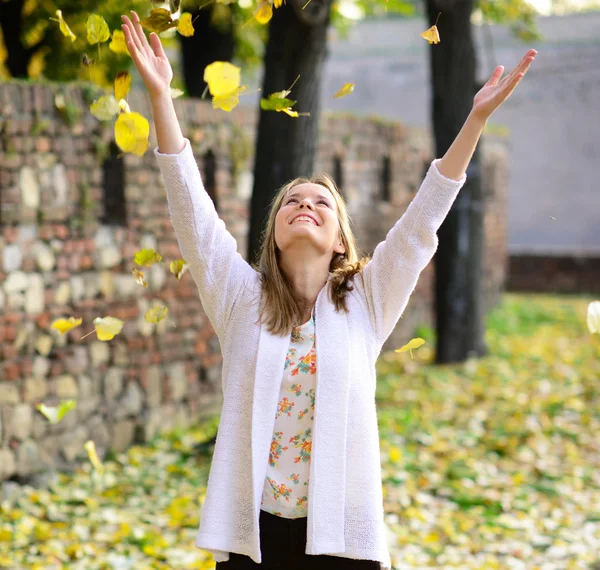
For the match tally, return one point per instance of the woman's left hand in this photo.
(497, 90)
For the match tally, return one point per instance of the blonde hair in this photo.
(280, 306)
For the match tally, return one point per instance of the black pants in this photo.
(282, 545)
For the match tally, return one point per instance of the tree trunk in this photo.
(18, 55)
(285, 146)
(208, 44)
(459, 258)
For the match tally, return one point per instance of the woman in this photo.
(295, 479)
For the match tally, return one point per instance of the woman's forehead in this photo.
(309, 189)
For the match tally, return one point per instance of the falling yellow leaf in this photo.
(118, 43)
(105, 108)
(277, 3)
(178, 268)
(65, 325)
(184, 25)
(90, 447)
(222, 78)
(66, 31)
(345, 90)
(156, 314)
(138, 277)
(56, 414)
(264, 13)
(107, 327)
(147, 257)
(431, 35)
(131, 133)
(122, 84)
(290, 112)
(414, 343)
(176, 93)
(228, 101)
(97, 29)
(158, 21)
(593, 317)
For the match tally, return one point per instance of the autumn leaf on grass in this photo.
(65, 325)
(106, 328)
(147, 257)
(414, 343)
(56, 414)
(131, 133)
(156, 314)
(105, 108)
(122, 84)
(345, 90)
(90, 447)
(593, 317)
(432, 35)
(66, 31)
(158, 21)
(118, 44)
(138, 277)
(184, 25)
(178, 268)
(97, 29)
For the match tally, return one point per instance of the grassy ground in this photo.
(493, 463)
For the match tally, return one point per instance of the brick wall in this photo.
(72, 215)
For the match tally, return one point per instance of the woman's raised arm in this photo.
(210, 251)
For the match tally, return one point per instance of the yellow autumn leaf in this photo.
(107, 327)
(410, 346)
(277, 3)
(431, 35)
(118, 43)
(264, 13)
(345, 90)
(90, 447)
(175, 93)
(131, 133)
(178, 268)
(156, 314)
(122, 84)
(158, 21)
(184, 25)
(105, 108)
(395, 454)
(289, 112)
(124, 106)
(65, 325)
(147, 257)
(593, 317)
(222, 78)
(66, 31)
(228, 101)
(138, 277)
(56, 414)
(97, 29)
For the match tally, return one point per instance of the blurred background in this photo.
(490, 455)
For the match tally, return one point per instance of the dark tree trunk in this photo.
(458, 260)
(18, 54)
(208, 44)
(286, 146)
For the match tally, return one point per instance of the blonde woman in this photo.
(295, 479)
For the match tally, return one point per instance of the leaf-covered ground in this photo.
(494, 463)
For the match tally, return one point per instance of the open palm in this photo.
(149, 57)
(497, 90)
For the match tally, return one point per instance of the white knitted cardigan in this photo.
(345, 504)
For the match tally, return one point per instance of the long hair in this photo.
(281, 306)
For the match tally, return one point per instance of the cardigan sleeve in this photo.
(205, 244)
(391, 275)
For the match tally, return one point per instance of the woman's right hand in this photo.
(149, 58)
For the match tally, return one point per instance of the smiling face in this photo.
(308, 217)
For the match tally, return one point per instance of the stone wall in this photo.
(72, 215)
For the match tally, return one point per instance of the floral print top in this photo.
(285, 492)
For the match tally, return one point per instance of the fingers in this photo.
(130, 34)
(139, 31)
(495, 77)
(522, 67)
(157, 46)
